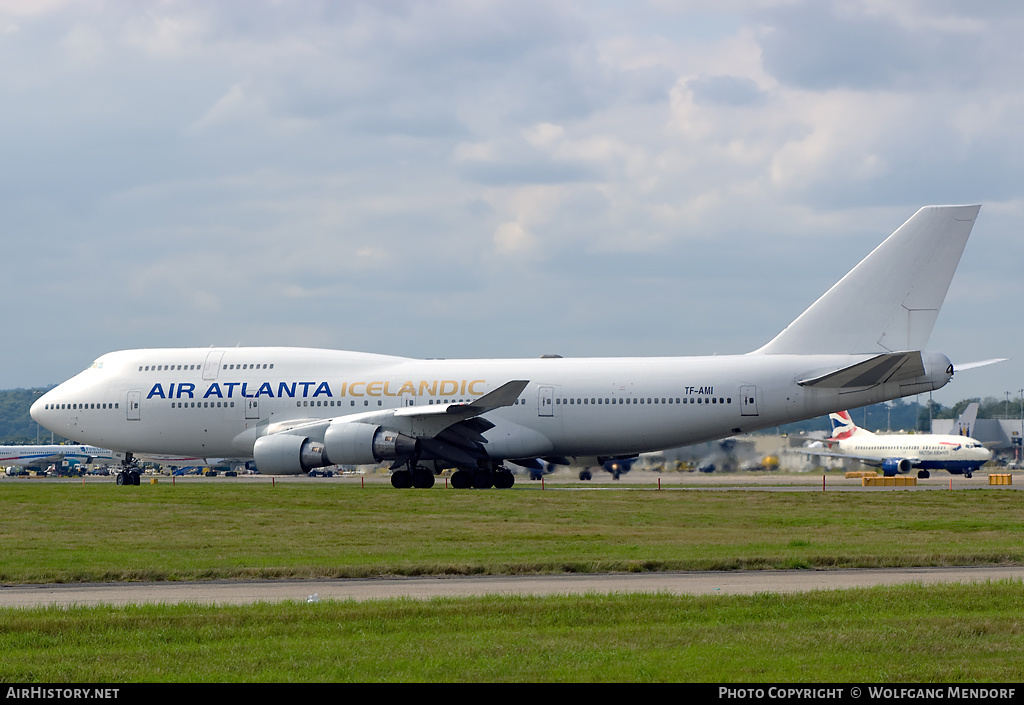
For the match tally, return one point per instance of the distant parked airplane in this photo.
(42, 456)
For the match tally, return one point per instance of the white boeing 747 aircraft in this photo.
(899, 453)
(296, 409)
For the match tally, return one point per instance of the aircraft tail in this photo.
(888, 302)
(965, 422)
(843, 426)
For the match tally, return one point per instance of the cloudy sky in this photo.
(460, 178)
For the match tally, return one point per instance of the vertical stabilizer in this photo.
(888, 302)
(843, 426)
(965, 424)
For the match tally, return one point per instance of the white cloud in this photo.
(84, 45)
(691, 162)
(166, 33)
(544, 134)
(512, 238)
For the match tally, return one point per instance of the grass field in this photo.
(64, 532)
(101, 532)
(905, 634)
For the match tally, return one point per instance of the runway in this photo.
(680, 583)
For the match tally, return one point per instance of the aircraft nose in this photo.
(40, 411)
(36, 410)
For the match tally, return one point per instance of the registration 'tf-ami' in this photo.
(296, 409)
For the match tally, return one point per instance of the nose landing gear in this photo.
(129, 472)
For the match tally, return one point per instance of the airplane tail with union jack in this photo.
(843, 427)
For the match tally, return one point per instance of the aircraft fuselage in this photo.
(217, 402)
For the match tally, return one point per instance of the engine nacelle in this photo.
(344, 444)
(284, 454)
(363, 444)
(891, 466)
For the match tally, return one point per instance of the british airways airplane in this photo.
(899, 453)
(292, 410)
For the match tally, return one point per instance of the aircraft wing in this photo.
(866, 460)
(450, 432)
(415, 421)
(38, 460)
(186, 461)
(418, 421)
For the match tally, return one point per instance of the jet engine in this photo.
(891, 466)
(343, 444)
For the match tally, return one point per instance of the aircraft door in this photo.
(748, 400)
(546, 401)
(212, 367)
(252, 408)
(134, 406)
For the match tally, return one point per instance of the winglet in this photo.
(888, 302)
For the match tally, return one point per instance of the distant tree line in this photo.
(16, 426)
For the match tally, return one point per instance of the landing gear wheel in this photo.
(401, 479)
(483, 479)
(462, 479)
(585, 475)
(129, 472)
(923, 474)
(422, 478)
(968, 475)
(503, 479)
(128, 477)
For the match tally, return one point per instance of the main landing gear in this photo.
(418, 476)
(480, 478)
(483, 478)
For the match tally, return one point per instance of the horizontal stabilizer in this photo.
(892, 367)
(982, 363)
